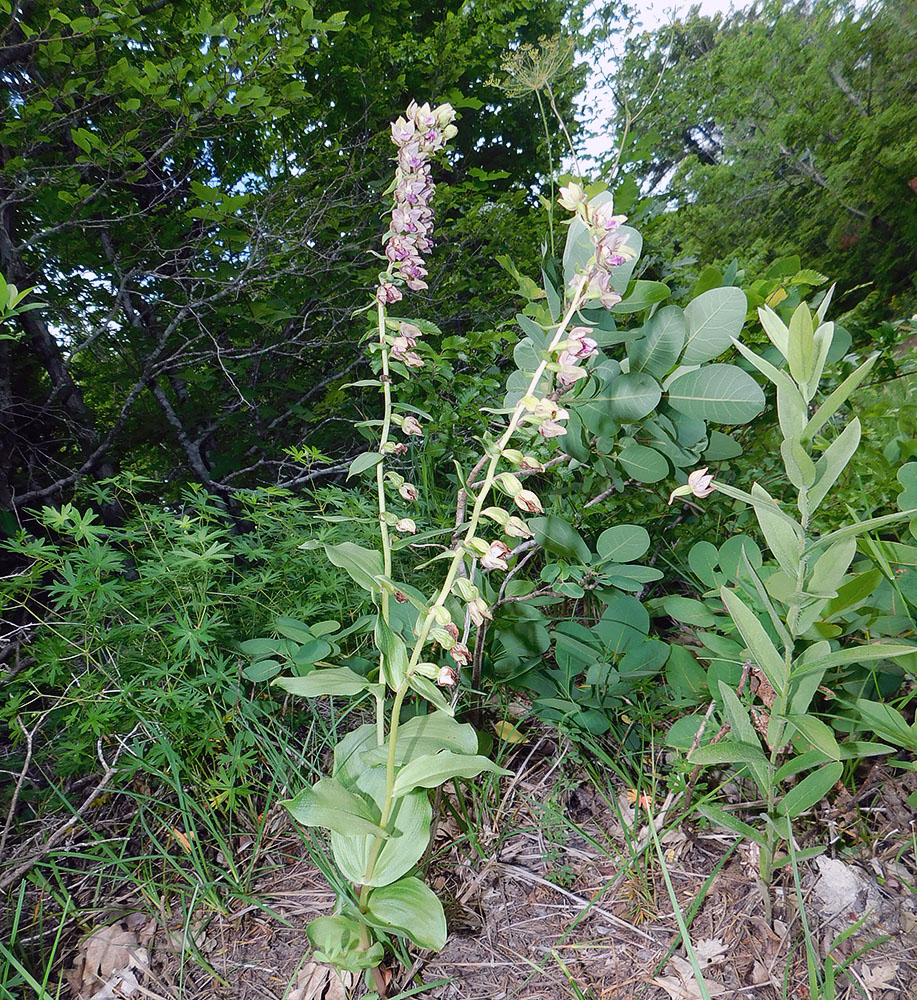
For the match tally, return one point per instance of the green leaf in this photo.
(427, 734)
(394, 654)
(641, 295)
(363, 565)
(756, 639)
(688, 611)
(712, 320)
(817, 733)
(336, 940)
(409, 826)
(728, 752)
(721, 448)
(363, 463)
(412, 909)
(663, 338)
(729, 822)
(811, 790)
(311, 651)
(560, 537)
(294, 629)
(325, 680)
(684, 674)
(644, 464)
(330, 805)
(723, 393)
(262, 670)
(855, 654)
(623, 543)
(632, 396)
(433, 694)
(833, 462)
(432, 770)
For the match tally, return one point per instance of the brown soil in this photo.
(556, 908)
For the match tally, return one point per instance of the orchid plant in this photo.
(376, 803)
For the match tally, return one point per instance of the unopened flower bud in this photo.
(441, 614)
(531, 463)
(527, 501)
(439, 635)
(408, 492)
(513, 456)
(476, 546)
(495, 514)
(515, 527)
(509, 483)
(465, 588)
(572, 197)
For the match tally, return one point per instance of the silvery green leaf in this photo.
(775, 329)
(657, 350)
(801, 345)
(713, 319)
(833, 462)
(831, 566)
(837, 398)
(783, 535)
(800, 469)
(756, 639)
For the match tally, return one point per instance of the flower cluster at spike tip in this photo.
(420, 134)
(611, 248)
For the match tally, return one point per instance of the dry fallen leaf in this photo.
(106, 955)
(680, 989)
(881, 977)
(709, 951)
(321, 982)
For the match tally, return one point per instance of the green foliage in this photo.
(786, 615)
(146, 617)
(779, 129)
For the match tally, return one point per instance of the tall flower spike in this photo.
(418, 136)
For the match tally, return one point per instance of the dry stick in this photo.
(20, 870)
(524, 875)
(25, 770)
